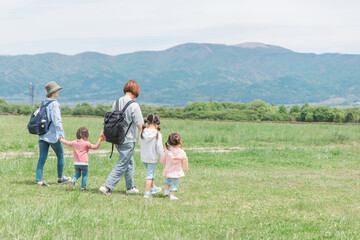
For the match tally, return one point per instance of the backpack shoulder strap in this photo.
(47, 104)
(117, 108)
(126, 106)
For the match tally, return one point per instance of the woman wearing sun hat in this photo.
(51, 138)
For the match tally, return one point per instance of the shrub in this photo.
(66, 110)
(294, 109)
(349, 117)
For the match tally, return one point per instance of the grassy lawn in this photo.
(288, 181)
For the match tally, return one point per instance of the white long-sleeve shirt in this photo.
(151, 148)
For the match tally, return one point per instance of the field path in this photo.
(68, 153)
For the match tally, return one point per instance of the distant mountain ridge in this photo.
(189, 72)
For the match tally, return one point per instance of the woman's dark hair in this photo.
(82, 133)
(173, 140)
(133, 87)
(151, 118)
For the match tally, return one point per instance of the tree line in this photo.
(257, 110)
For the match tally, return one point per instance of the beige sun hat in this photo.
(52, 87)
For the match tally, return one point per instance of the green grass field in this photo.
(245, 181)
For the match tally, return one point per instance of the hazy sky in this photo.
(121, 26)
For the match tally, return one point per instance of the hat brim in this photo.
(53, 90)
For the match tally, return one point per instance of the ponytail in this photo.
(157, 134)
(173, 140)
(143, 127)
(151, 118)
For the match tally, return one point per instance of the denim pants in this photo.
(81, 169)
(124, 167)
(173, 183)
(150, 170)
(44, 150)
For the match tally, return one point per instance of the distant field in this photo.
(245, 181)
(197, 133)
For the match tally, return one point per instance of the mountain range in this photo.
(189, 72)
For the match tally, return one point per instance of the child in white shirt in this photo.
(151, 149)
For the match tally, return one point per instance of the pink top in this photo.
(174, 158)
(81, 149)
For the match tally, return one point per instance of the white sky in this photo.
(120, 26)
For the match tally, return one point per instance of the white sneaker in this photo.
(166, 193)
(71, 184)
(132, 190)
(105, 190)
(172, 197)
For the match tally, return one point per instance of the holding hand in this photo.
(61, 139)
(102, 137)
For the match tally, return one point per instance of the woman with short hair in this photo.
(52, 136)
(133, 121)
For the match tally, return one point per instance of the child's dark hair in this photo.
(151, 118)
(173, 140)
(82, 133)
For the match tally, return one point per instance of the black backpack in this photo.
(113, 125)
(39, 121)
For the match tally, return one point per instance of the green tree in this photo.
(324, 114)
(83, 109)
(25, 109)
(196, 106)
(66, 110)
(309, 117)
(282, 109)
(305, 105)
(304, 111)
(349, 117)
(240, 106)
(87, 108)
(4, 108)
(159, 109)
(101, 110)
(295, 109)
(260, 107)
(337, 118)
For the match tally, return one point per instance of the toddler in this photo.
(174, 159)
(81, 149)
(151, 149)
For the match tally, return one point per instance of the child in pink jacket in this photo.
(174, 159)
(81, 149)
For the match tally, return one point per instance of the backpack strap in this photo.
(112, 150)
(123, 110)
(117, 105)
(47, 104)
(127, 104)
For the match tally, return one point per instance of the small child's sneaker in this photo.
(147, 195)
(155, 190)
(166, 193)
(71, 184)
(43, 184)
(83, 189)
(132, 190)
(172, 197)
(105, 190)
(64, 179)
